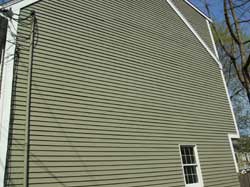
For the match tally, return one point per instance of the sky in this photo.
(216, 8)
(3, 1)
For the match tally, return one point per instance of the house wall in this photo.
(116, 87)
(197, 21)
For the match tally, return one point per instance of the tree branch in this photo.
(246, 42)
(244, 21)
(242, 4)
(236, 93)
(228, 22)
(247, 65)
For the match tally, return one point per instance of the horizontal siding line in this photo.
(74, 130)
(98, 59)
(90, 41)
(100, 22)
(78, 143)
(167, 84)
(107, 91)
(95, 70)
(190, 140)
(121, 125)
(35, 170)
(155, 87)
(107, 168)
(197, 139)
(111, 9)
(89, 174)
(167, 125)
(86, 130)
(113, 133)
(168, 110)
(98, 65)
(116, 150)
(152, 128)
(97, 55)
(38, 96)
(109, 40)
(127, 182)
(92, 93)
(131, 119)
(78, 111)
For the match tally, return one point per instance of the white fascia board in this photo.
(17, 5)
(194, 32)
(200, 12)
(7, 81)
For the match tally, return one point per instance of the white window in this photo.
(191, 166)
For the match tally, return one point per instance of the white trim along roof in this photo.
(32, 1)
(199, 11)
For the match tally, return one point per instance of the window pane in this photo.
(187, 179)
(190, 174)
(189, 159)
(195, 178)
(190, 179)
(193, 159)
(184, 161)
(188, 156)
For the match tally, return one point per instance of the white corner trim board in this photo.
(230, 138)
(212, 38)
(6, 92)
(200, 12)
(230, 104)
(224, 81)
(7, 79)
(170, 2)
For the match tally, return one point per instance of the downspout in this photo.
(28, 101)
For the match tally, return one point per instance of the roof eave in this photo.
(199, 11)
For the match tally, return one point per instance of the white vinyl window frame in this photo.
(195, 165)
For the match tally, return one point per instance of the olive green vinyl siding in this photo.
(197, 21)
(117, 85)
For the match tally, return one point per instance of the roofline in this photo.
(198, 10)
(11, 3)
(179, 13)
(18, 4)
(7, 4)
